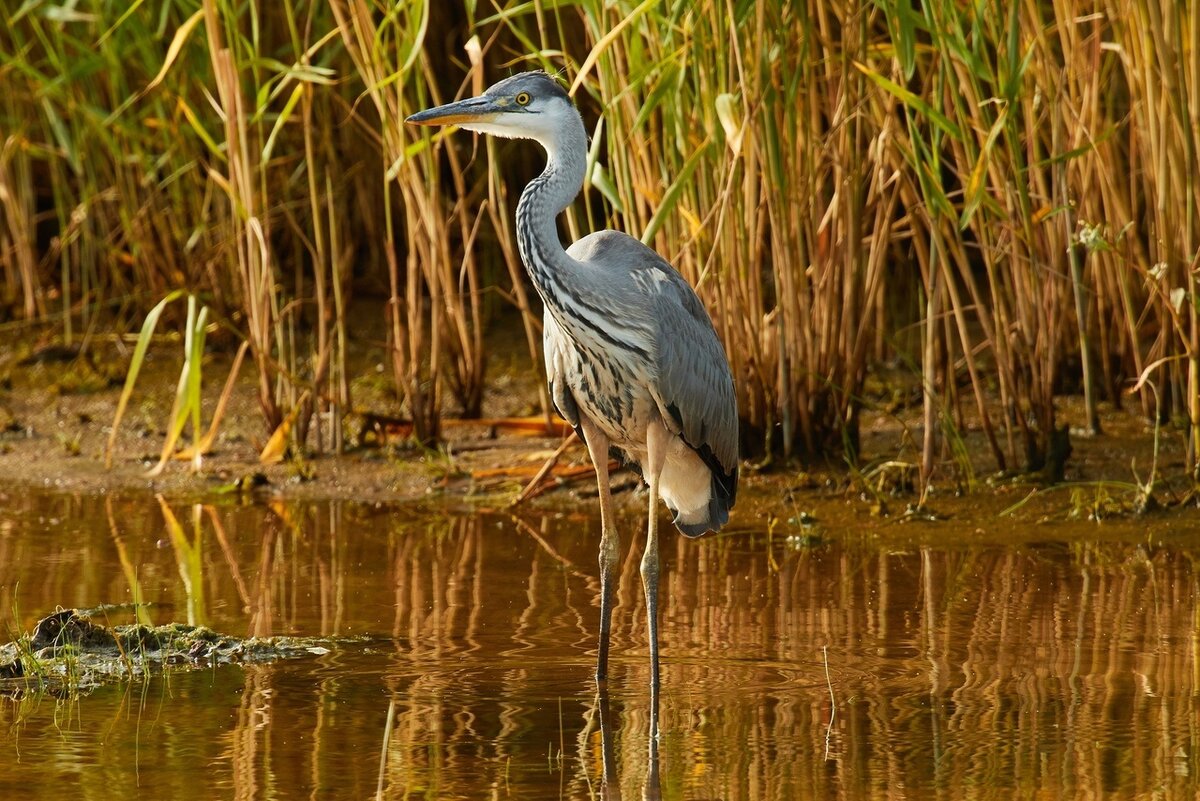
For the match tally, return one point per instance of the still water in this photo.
(922, 663)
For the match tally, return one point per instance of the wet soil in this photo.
(57, 406)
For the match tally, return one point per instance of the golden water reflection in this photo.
(856, 668)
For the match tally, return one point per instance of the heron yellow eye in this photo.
(522, 98)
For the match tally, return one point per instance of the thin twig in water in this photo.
(387, 736)
(832, 700)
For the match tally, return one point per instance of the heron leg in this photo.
(610, 541)
(657, 440)
(610, 783)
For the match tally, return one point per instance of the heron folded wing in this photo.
(694, 388)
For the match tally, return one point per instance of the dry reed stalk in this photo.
(253, 259)
(320, 255)
(435, 308)
(16, 238)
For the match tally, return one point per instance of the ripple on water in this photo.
(851, 669)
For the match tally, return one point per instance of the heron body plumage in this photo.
(632, 358)
(661, 370)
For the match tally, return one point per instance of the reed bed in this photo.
(1001, 200)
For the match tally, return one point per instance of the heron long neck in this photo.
(543, 199)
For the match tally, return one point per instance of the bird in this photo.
(633, 360)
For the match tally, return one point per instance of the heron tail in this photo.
(713, 514)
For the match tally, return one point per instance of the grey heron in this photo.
(632, 358)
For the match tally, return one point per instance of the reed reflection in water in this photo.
(859, 668)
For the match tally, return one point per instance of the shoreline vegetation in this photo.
(997, 203)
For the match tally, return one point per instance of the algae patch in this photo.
(68, 652)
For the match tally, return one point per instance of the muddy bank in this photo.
(57, 407)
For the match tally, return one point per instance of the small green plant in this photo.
(186, 406)
(1093, 502)
(70, 444)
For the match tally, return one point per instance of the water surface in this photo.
(933, 661)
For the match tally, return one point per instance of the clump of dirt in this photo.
(68, 652)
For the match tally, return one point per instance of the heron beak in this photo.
(473, 109)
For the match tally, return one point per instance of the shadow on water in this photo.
(862, 667)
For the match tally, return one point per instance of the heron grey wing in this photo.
(695, 387)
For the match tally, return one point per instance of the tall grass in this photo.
(1045, 109)
(1003, 198)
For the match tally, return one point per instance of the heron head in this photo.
(531, 105)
